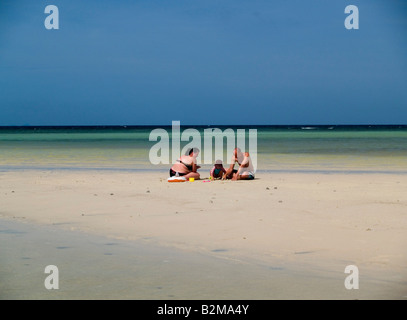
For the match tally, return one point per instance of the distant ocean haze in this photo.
(279, 148)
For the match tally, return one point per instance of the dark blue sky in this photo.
(203, 62)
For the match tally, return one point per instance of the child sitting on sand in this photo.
(217, 170)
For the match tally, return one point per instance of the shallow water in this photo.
(298, 148)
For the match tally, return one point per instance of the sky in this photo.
(203, 62)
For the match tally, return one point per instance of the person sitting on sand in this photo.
(217, 170)
(186, 165)
(245, 170)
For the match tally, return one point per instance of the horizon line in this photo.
(202, 125)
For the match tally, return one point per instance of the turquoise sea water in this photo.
(279, 148)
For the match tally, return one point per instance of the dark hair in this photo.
(190, 150)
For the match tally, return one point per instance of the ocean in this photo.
(304, 148)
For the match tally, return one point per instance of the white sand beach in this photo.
(313, 224)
